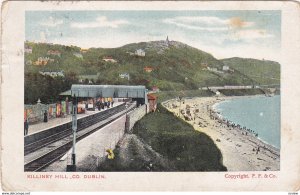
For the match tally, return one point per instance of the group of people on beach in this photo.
(225, 122)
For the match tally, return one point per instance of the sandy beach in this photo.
(241, 150)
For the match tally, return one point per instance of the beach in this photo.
(241, 149)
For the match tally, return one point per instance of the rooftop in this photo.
(132, 91)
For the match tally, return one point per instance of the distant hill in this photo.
(169, 65)
(260, 71)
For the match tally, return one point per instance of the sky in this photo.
(224, 34)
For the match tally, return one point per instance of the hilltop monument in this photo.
(167, 41)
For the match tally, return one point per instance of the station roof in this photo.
(117, 91)
(66, 93)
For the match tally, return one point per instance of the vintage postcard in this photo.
(150, 96)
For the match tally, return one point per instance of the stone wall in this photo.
(135, 115)
(91, 151)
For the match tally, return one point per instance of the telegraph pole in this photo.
(74, 128)
(72, 167)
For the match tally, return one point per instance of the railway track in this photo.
(63, 141)
(29, 148)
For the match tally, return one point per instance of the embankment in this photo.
(163, 142)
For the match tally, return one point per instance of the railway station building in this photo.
(93, 92)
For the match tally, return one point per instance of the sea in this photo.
(260, 114)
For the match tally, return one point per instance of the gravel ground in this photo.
(132, 154)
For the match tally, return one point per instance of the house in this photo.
(148, 69)
(212, 69)
(109, 59)
(78, 55)
(52, 73)
(225, 68)
(204, 65)
(41, 61)
(140, 52)
(82, 50)
(54, 52)
(88, 78)
(215, 70)
(152, 99)
(28, 49)
(155, 89)
(124, 75)
(130, 53)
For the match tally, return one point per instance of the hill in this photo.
(169, 65)
(260, 71)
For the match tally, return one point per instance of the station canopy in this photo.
(116, 91)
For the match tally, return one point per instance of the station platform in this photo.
(62, 120)
(91, 149)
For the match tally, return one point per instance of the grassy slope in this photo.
(166, 95)
(178, 142)
(260, 71)
(241, 92)
(67, 62)
(177, 68)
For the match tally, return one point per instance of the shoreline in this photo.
(213, 107)
(241, 151)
